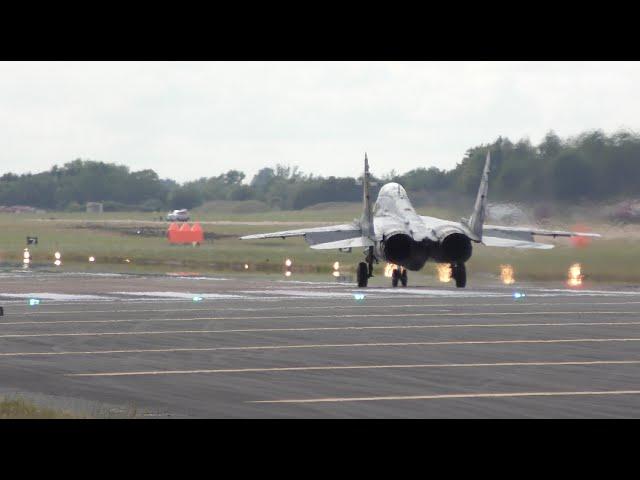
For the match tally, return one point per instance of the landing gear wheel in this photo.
(404, 278)
(395, 276)
(363, 274)
(459, 274)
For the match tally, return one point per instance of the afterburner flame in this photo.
(506, 274)
(444, 272)
(575, 275)
(388, 270)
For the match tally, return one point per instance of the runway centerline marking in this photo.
(450, 396)
(304, 317)
(355, 367)
(320, 329)
(327, 345)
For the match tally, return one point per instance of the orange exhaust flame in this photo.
(575, 275)
(506, 274)
(444, 272)
(388, 270)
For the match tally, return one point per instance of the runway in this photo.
(265, 347)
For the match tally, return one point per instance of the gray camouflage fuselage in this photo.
(404, 238)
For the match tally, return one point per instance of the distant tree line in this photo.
(590, 167)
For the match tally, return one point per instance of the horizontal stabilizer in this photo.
(348, 243)
(513, 243)
(500, 230)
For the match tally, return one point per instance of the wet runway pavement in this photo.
(261, 348)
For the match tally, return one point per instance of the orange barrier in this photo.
(185, 234)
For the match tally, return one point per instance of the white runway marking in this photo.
(304, 317)
(319, 329)
(451, 396)
(300, 293)
(185, 295)
(355, 367)
(437, 292)
(54, 296)
(211, 279)
(326, 345)
(309, 307)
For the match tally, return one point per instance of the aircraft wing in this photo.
(317, 235)
(522, 237)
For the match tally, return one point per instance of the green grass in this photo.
(20, 408)
(75, 236)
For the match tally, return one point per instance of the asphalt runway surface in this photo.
(274, 348)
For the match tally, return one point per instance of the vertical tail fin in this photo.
(477, 217)
(366, 221)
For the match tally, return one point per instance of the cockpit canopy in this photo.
(393, 190)
(392, 200)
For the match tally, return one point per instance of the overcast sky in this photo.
(192, 119)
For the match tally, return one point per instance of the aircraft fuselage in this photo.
(403, 238)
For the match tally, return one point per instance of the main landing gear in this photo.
(401, 275)
(363, 274)
(365, 269)
(459, 274)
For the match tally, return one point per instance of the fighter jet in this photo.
(392, 231)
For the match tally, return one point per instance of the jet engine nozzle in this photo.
(455, 245)
(401, 249)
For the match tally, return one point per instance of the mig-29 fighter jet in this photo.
(392, 231)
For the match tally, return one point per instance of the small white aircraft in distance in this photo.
(392, 231)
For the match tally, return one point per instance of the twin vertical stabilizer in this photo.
(476, 221)
(366, 221)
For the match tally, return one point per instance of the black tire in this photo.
(395, 276)
(363, 274)
(459, 273)
(404, 277)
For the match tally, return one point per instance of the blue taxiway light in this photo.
(518, 295)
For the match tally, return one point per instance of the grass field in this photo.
(20, 408)
(112, 239)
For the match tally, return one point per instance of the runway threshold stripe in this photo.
(321, 329)
(329, 345)
(354, 367)
(304, 317)
(451, 396)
